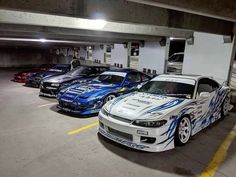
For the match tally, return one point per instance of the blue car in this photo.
(88, 98)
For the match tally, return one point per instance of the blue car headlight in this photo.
(143, 123)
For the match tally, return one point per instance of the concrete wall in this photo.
(152, 56)
(119, 55)
(208, 56)
(18, 57)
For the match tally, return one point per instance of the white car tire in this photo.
(183, 131)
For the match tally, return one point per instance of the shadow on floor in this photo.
(188, 160)
(55, 109)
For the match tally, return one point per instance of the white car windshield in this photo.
(166, 88)
(110, 79)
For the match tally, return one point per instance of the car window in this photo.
(214, 85)
(103, 69)
(172, 89)
(134, 77)
(176, 58)
(110, 79)
(205, 85)
(144, 77)
(87, 71)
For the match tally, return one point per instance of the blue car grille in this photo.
(46, 84)
(74, 107)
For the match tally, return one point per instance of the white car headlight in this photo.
(144, 123)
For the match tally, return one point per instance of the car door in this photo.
(205, 97)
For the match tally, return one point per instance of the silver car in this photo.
(175, 63)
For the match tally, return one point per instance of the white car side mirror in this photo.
(204, 95)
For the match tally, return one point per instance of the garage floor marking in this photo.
(220, 155)
(46, 105)
(83, 128)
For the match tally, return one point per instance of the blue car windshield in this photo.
(59, 68)
(110, 79)
(166, 88)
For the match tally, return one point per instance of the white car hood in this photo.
(144, 105)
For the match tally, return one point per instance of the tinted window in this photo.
(103, 69)
(167, 88)
(60, 68)
(214, 85)
(110, 79)
(176, 58)
(144, 77)
(207, 85)
(134, 77)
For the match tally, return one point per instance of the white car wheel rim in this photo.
(184, 130)
(109, 98)
(226, 106)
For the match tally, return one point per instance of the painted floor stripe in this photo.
(220, 155)
(46, 105)
(83, 128)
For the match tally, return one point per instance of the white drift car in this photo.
(164, 112)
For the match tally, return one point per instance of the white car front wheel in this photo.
(183, 131)
(225, 106)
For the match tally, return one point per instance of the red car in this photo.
(24, 74)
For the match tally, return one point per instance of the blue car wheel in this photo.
(109, 98)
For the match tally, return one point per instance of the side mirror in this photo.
(204, 95)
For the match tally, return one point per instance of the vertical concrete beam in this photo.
(208, 56)
(152, 56)
(98, 53)
(119, 55)
(233, 56)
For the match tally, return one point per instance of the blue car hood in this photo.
(91, 89)
(63, 78)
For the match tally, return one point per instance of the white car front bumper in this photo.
(141, 138)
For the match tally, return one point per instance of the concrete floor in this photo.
(34, 143)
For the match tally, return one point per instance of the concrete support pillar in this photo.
(119, 55)
(152, 56)
(209, 55)
(98, 53)
(83, 53)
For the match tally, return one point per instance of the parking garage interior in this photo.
(155, 38)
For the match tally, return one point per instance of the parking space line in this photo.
(220, 155)
(72, 132)
(46, 105)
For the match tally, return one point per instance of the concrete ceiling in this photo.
(219, 9)
(74, 20)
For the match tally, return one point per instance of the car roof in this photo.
(124, 70)
(63, 65)
(185, 76)
(94, 65)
